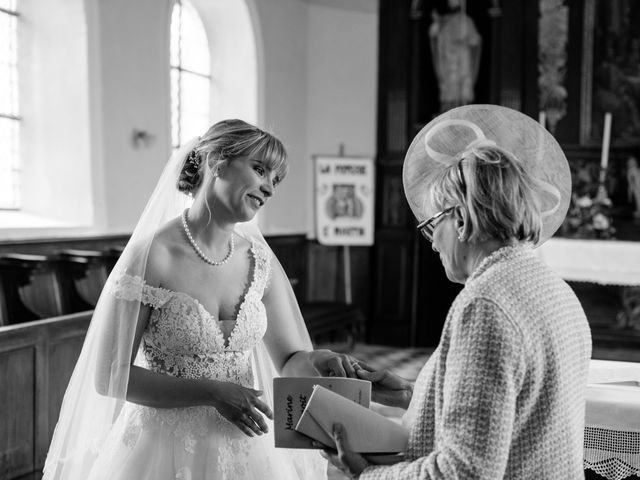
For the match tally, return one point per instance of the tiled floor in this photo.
(407, 362)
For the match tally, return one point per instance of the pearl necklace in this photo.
(201, 254)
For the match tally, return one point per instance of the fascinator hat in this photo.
(447, 139)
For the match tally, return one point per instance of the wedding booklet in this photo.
(367, 431)
(290, 396)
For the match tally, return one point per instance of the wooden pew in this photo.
(36, 362)
(83, 273)
(31, 288)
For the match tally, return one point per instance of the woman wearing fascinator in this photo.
(197, 317)
(502, 396)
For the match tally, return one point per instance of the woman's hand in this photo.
(388, 388)
(242, 407)
(332, 364)
(347, 461)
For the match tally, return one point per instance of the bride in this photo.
(174, 378)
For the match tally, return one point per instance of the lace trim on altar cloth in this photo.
(612, 453)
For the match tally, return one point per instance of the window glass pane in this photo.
(9, 174)
(9, 127)
(8, 70)
(195, 48)
(190, 74)
(194, 100)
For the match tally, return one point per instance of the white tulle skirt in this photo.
(195, 443)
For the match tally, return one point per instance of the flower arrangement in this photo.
(589, 214)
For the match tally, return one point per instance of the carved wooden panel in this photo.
(393, 99)
(291, 251)
(17, 396)
(324, 272)
(36, 361)
(63, 355)
(395, 210)
(392, 310)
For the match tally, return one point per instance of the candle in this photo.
(606, 139)
(542, 118)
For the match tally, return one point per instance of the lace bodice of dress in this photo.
(183, 339)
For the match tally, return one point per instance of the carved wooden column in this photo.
(553, 34)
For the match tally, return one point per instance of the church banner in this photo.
(345, 200)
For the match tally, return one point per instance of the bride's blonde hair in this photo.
(226, 141)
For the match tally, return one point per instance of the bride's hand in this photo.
(387, 388)
(242, 407)
(332, 364)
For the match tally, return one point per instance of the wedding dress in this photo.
(184, 340)
(102, 436)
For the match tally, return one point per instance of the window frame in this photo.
(13, 115)
(177, 107)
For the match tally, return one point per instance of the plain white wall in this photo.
(54, 148)
(232, 33)
(317, 62)
(321, 88)
(133, 51)
(284, 27)
(342, 71)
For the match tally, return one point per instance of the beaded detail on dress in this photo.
(183, 339)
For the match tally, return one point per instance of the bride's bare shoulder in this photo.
(166, 248)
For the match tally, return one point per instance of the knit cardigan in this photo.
(503, 394)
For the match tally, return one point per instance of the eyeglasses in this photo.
(427, 227)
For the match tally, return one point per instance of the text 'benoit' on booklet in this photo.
(290, 397)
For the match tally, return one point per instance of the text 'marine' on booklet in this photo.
(367, 431)
(290, 396)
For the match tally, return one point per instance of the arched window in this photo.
(9, 114)
(190, 74)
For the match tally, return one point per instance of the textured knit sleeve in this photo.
(483, 374)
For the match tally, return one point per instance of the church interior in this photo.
(95, 96)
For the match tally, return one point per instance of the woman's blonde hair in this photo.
(496, 195)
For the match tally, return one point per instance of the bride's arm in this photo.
(287, 338)
(160, 390)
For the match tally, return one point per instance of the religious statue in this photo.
(455, 48)
(633, 185)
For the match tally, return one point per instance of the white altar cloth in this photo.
(612, 419)
(607, 262)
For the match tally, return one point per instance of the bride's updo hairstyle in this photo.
(224, 142)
